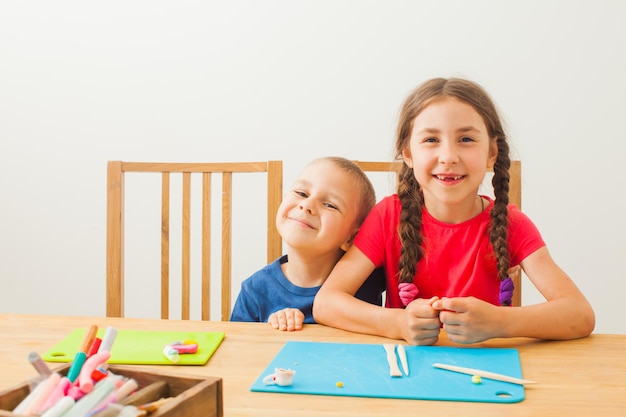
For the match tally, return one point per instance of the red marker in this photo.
(93, 349)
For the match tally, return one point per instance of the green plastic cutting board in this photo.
(140, 347)
(363, 371)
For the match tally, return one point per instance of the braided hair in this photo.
(409, 191)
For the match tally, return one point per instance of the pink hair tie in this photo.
(408, 292)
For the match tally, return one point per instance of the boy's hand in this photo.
(422, 322)
(467, 319)
(288, 319)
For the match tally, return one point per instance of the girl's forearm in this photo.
(343, 311)
(559, 319)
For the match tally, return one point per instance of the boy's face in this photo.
(319, 212)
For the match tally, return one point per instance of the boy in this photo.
(317, 219)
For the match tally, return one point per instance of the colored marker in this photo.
(60, 407)
(56, 394)
(89, 338)
(81, 355)
(47, 386)
(93, 349)
(154, 405)
(39, 364)
(89, 401)
(126, 388)
(99, 373)
(108, 339)
(76, 366)
(27, 401)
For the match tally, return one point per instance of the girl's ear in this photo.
(493, 153)
(406, 156)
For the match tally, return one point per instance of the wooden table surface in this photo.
(578, 377)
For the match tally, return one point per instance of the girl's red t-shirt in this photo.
(458, 259)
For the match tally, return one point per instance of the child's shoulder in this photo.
(269, 271)
(388, 207)
(389, 202)
(519, 218)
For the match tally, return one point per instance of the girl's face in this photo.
(319, 213)
(450, 151)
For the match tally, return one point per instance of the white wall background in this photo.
(83, 82)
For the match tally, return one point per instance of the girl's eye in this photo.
(466, 139)
(430, 140)
(331, 206)
(300, 193)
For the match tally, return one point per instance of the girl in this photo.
(447, 250)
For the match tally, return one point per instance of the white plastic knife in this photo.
(484, 374)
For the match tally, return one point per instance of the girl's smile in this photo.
(449, 178)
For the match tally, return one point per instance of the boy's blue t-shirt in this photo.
(268, 290)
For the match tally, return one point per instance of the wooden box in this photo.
(192, 395)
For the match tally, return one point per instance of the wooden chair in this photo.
(118, 170)
(515, 197)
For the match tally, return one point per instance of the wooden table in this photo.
(578, 377)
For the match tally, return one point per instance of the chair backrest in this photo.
(117, 171)
(515, 197)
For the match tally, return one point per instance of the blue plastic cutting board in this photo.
(364, 372)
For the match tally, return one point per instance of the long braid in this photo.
(410, 226)
(499, 219)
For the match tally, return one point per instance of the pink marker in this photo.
(57, 393)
